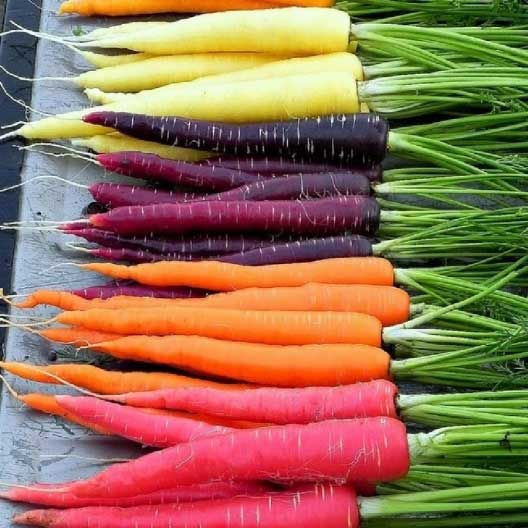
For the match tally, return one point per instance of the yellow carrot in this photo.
(160, 71)
(100, 60)
(108, 143)
(286, 31)
(242, 102)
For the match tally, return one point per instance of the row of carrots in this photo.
(289, 326)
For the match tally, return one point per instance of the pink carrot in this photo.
(44, 495)
(144, 428)
(311, 506)
(133, 289)
(359, 452)
(272, 405)
(359, 214)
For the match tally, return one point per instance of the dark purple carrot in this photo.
(285, 253)
(349, 140)
(119, 195)
(316, 185)
(269, 166)
(203, 246)
(359, 214)
(304, 251)
(287, 187)
(153, 168)
(133, 289)
(134, 256)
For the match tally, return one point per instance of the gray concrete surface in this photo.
(34, 447)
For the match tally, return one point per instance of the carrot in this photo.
(282, 366)
(49, 405)
(227, 277)
(359, 452)
(45, 495)
(164, 70)
(77, 337)
(388, 304)
(102, 381)
(317, 31)
(146, 7)
(156, 430)
(100, 60)
(307, 507)
(269, 327)
(273, 405)
(237, 102)
(109, 143)
(132, 289)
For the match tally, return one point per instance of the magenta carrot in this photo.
(360, 214)
(198, 245)
(271, 405)
(120, 195)
(153, 168)
(156, 430)
(133, 289)
(359, 139)
(311, 506)
(365, 451)
(44, 495)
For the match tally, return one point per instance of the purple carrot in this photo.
(136, 256)
(304, 251)
(353, 139)
(285, 253)
(300, 186)
(119, 195)
(153, 168)
(268, 166)
(198, 246)
(359, 214)
(132, 289)
(287, 187)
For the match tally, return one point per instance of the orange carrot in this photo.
(270, 327)
(221, 276)
(388, 304)
(49, 405)
(101, 381)
(282, 366)
(78, 337)
(145, 7)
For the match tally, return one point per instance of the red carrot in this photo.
(319, 506)
(364, 451)
(44, 495)
(359, 214)
(144, 428)
(359, 139)
(135, 256)
(272, 405)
